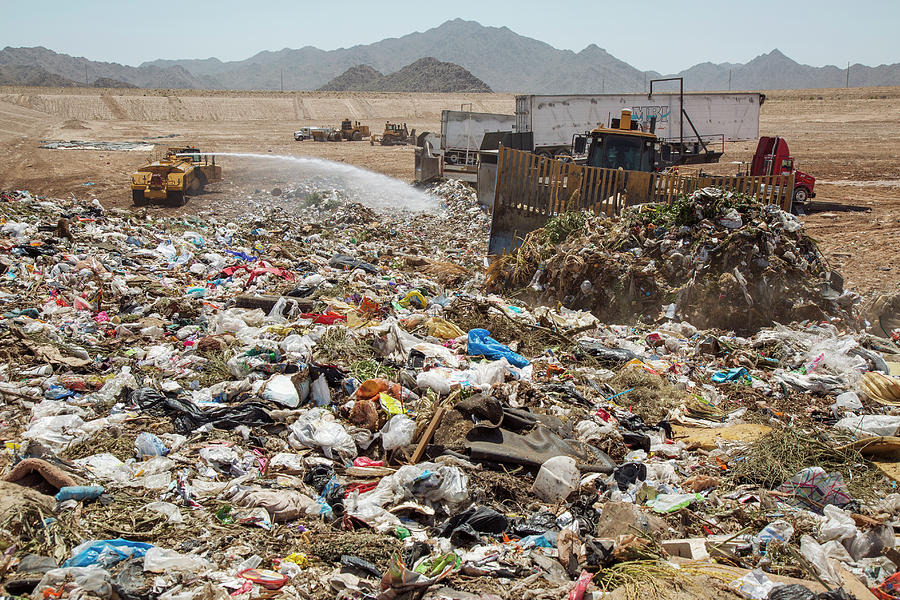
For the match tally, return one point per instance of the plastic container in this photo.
(79, 492)
(558, 477)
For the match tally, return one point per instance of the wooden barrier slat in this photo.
(543, 186)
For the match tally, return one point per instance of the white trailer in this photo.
(716, 116)
(461, 136)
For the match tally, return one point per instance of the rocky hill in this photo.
(30, 75)
(358, 78)
(425, 75)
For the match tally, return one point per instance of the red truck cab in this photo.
(773, 158)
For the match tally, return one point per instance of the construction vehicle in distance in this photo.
(772, 157)
(181, 172)
(626, 145)
(353, 131)
(395, 134)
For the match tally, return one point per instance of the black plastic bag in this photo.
(343, 261)
(187, 416)
(629, 473)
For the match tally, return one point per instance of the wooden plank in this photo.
(427, 435)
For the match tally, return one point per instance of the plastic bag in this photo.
(434, 381)
(397, 432)
(487, 374)
(162, 560)
(776, 531)
(316, 428)
(280, 389)
(148, 444)
(321, 394)
(482, 344)
(105, 553)
(870, 425)
(813, 552)
(755, 585)
(93, 581)
(872, 543)
(848, 401)
(668, 503)
(168, 509)
(837, 526)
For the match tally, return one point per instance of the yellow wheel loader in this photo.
(181, 172)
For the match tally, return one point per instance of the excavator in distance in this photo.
(181, 172)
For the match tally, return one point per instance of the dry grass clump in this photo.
(652, 397)
(781, 454)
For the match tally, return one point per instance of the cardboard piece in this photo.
(706, 437)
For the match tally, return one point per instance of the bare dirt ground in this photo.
(848, 139)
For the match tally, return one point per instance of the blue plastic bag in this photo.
(106, 553)
(740, 374)
(482, 344)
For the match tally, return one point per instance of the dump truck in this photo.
(773, 157)
(353, 131)
(181, 172)
(461, 135)
(688, 119)
(395, 134)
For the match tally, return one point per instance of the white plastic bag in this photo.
(433, 380)
(280, 390)
(397, 432)
(838, 525)
(163, 560)
(316, 428)
(814, 553)
(321, 394)
(870, 425)
(168, 509)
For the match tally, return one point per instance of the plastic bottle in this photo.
(79, 492)
(558, 477)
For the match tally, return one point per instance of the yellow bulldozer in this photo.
(395, 134)
(353, 131)
(181, 172)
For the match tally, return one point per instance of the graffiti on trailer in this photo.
(643, 114)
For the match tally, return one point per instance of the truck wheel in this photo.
(801, 194)
(137, 197)
(175, 198)
(197, 184)
(357, 136)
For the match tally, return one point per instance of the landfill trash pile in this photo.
(321, 402)
(717, 259)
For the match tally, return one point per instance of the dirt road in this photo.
(850, 138)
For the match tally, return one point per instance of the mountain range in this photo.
(504, 60)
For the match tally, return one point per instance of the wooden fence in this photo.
(531, 189)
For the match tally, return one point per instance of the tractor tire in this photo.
(137, 197)
(175, 198)
(197, 184)
(356, 137)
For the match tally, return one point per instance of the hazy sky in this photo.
(665, 36)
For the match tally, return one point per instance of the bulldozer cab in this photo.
(613, 150)
(189, 153)
(347, 125)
